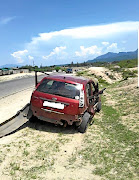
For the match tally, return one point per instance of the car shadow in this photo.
(49, 127)
(39, 125)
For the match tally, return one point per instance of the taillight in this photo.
(81, 100)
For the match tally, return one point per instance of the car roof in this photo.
(76, 79)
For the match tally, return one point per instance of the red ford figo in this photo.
(62, 99)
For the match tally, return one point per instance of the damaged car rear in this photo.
(63, 100)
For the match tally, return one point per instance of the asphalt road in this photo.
(16, 85)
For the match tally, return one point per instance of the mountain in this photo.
(10, 65)
(110, 56)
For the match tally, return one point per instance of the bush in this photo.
(111, 77)
(81, 73)
(127, 73)
(102, 81)
(128, 63)
(57, 68)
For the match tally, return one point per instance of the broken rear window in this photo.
(59, 88)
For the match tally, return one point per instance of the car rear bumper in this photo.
(53, 116)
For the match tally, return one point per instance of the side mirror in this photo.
(101, 92)
(96, 88)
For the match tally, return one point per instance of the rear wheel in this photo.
(84, 124)
(33, 119)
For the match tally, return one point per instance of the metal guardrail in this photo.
(18, 119)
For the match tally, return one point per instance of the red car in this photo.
(62, 99)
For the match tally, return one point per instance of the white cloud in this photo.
(98, 31)
(19, 55)
(56, 51)
(105, 43)
(79, 43)
(6, 20)
(92, 50)
(30, 57)
(113, 47)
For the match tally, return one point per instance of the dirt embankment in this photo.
(106, 74)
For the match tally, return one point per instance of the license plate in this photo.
(53, 105)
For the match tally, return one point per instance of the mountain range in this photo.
(110, 56)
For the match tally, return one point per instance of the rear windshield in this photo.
(59, 88)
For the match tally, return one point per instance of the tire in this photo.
(30, 113)
(98, 107)
(33, 119)
(84, 124)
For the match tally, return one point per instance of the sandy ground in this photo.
(105, 74)
(133, 69)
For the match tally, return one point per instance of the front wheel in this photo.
(98, 107)
(84, 124)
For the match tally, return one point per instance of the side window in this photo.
(88, 90)
(49, 84)
(93, 88)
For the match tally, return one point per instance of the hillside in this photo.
(110, 56)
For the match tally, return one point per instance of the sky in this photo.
(52, 32)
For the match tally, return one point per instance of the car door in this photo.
(89, 94)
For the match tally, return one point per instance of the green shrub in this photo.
(128, 63)
(127, 73)
(81, 73)
(57, 68)
(102, 81)
(111, 77)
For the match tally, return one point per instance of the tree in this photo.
(57, 68)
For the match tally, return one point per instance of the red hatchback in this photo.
(62, 99)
